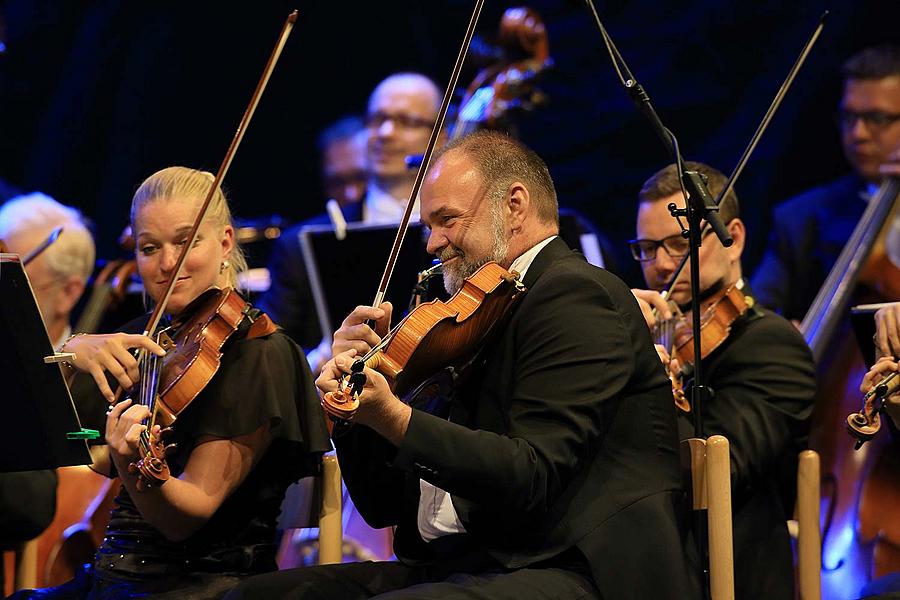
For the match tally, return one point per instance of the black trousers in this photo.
(395, 581)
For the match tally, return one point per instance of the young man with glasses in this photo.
(810, 229)
(762, 377)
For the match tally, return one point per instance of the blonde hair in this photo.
(73, 253)
(190, 184)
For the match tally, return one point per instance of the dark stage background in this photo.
(95, 96)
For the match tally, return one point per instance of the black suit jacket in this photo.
(566, 438)
(807, 235)
(763, 380)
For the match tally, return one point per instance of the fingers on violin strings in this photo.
(124, 358)
(133, 435)
(136, 340)
(116, 369)
(344, 360)
(115, 410)
(99, 376)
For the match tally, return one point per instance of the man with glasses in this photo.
(810, 230)
(762, 378)
(399, 118)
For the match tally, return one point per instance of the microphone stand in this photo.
(699, 206)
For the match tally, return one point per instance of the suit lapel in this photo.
(552, 252)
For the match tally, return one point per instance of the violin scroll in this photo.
(152, 469)
(341, 405)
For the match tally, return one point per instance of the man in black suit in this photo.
(762, 378)
(810, 230)
(555, 473)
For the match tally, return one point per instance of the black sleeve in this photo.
(262, 381)
(375, 486)
(764, 390)
(27, 505)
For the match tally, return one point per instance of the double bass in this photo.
(861, 534)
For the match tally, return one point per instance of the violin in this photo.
(194, 351)
(718, 314)
(433, 336)
(169, 384)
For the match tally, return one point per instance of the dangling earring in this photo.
(225, 265)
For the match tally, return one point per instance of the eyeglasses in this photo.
(875, 120)
(377, 119)
(676, 246)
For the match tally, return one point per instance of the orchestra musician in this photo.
(253, 430)
(401, 112)
(810, 229)
(556, 472)
(762, 377)
(58, 277)
(343, 148)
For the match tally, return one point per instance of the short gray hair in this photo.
(501, 160)
(73, 253)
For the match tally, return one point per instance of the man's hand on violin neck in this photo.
(356, 334)
(379, 408)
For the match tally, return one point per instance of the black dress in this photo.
(261, 380)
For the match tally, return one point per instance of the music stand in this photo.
(345, 273)
(43, 430)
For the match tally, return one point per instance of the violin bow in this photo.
(767, 118)
(220, 175)
(426, 158)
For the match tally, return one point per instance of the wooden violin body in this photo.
(717, 317)
(437, 334)
(196, 352)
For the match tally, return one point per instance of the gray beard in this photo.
(456, 273)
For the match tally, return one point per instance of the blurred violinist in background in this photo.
(343, 149)
(401, 111)
(761, 374)
(60, 273)
(209, 518)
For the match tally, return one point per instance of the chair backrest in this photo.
(809, 534)
(708, 466)
(313, 502)
(331, 535)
